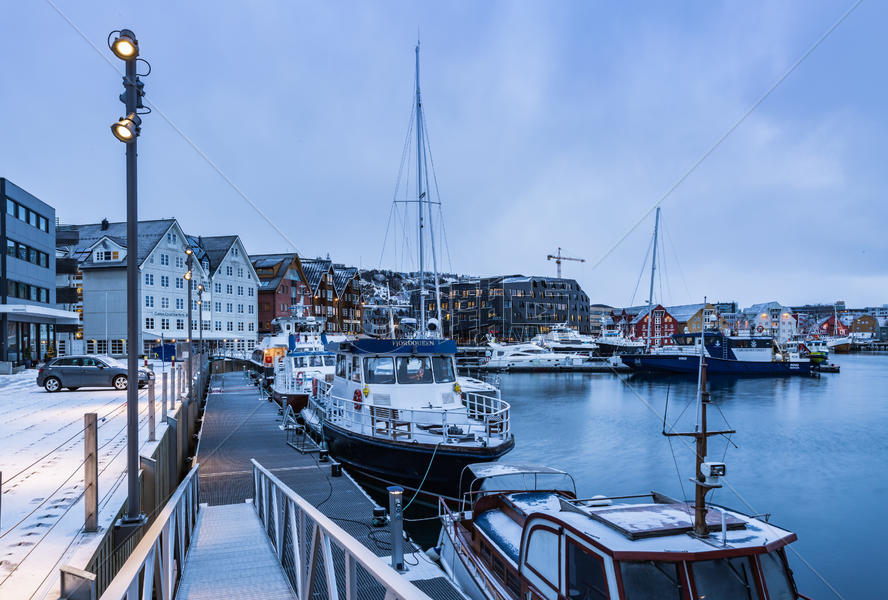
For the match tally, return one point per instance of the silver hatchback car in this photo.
(73, 372)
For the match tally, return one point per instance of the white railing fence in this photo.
(485, 418)
(159, 559)
(319, 558)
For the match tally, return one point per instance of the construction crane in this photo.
(559, 257)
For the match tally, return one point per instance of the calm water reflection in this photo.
(812, 452)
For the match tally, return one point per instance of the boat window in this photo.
(414, 369)
(443, 367)
(542, 555)
(315, 361)
(725, 578)
(354, 371)
(586, 579)
(298, 361)
(340, 366)
(777, 577)
(650, 579)
(329, 360)
(379, 369)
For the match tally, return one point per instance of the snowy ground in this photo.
(41, 460)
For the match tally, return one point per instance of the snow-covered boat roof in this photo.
(496, 469)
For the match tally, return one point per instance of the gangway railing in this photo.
(316, 554)
(160, 556)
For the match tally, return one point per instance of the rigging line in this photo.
(725, 481)
(641, 273)
(425, 127)
(678, 262)
(181, 133)
(727, 133)
(385, 237)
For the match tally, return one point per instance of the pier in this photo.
(256, 518)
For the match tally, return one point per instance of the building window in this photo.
(180, 303)
(164, 323)
(27, 215)
(218, 325)
(149, 278)
(240, 272)
(164, 281)
(180, 324)
(240, 325)
(164, 302)
(228, 270)
(180, 262)
(180, 283)
(149, 322)
(149, 301)
(240, 290)
(251, 326)
(217, 306)
(250, 309)
(116, 346)
(164, 259)
(105, 255)
(229, 326)
(240, 308)
(172, 238)
(217, 287)
(229, 289)
(229, 307)
(250, 292)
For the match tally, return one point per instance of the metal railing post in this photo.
(151, 432)
(90, 473)
(173, 394)
(164, 390)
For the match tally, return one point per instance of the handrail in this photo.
(302, 537)
(162, 549)
(482, 417)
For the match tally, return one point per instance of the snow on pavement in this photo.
(41, 459)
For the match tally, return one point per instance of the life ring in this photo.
(760, 329)
(314, 386)
(358, 398)
(300, 378)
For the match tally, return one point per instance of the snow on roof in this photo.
(315, 269)
(150, 234)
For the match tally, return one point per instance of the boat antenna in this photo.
(650, 316)
(703, 482)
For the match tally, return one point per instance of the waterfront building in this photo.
(319, 278)
(690, 318)
(771, 318)
(512, 308)
(282, 288)
(347, 299)
(228, 312)
(865, 326)
(28, 313)
(832, 326)
(662, 328)
(599, 318)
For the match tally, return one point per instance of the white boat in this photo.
(611, 343)
(525, 357)
(306, 360)
(566, 340)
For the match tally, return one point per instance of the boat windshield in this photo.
(777, 576)
(379, 369)
(528, 482)
(414, 369)
(650, 579)
(315, 361)
(729, 578)
(443, 367)
(329, 361)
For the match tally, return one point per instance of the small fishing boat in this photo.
(726, 355)
(396, 414)
(522, 533)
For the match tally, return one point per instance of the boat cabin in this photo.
(537, 542)
(718, 345)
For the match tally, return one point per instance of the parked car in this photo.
(74, 372)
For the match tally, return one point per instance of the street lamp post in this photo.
(127, 130)
(189, 261)
(200, 289)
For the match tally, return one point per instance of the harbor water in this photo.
(810, 451)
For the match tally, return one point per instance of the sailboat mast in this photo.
(419, 197)
(701, 443)
(650, 315)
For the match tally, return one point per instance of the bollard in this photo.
(90, 473)
(151, 432)
(164, 392)
(397, 526)
(172, 388)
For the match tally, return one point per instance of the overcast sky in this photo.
(551, 124)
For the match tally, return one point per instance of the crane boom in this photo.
(559, 257)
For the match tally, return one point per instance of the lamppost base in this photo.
(125, 527)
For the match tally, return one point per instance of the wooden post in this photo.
(90, 472)
(165, 387)
(151, 436)
(173, 388)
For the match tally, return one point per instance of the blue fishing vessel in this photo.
(757, 356)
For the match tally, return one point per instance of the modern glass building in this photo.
(28, 315)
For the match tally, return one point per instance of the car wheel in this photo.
(73, 388)
(52, 384)
(119, 382)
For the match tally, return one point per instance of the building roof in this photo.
(150, 234)
(341, 276)
(216, 247)
(683, 312)
(271, 261)
(315, 269)
(764, 307)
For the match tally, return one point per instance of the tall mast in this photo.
(419, 197)
(650, 315)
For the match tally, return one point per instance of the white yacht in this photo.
(524, 357)
(611, 343)
(565, 340)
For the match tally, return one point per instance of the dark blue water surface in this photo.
(811, 451)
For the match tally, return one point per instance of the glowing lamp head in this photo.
(127, 128)
(125, 46)
(187, 276)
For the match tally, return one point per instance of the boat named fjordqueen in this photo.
(395, 413)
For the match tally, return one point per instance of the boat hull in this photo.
(399, 463)
(690, 364)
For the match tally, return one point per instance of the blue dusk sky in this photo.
(551, 124)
